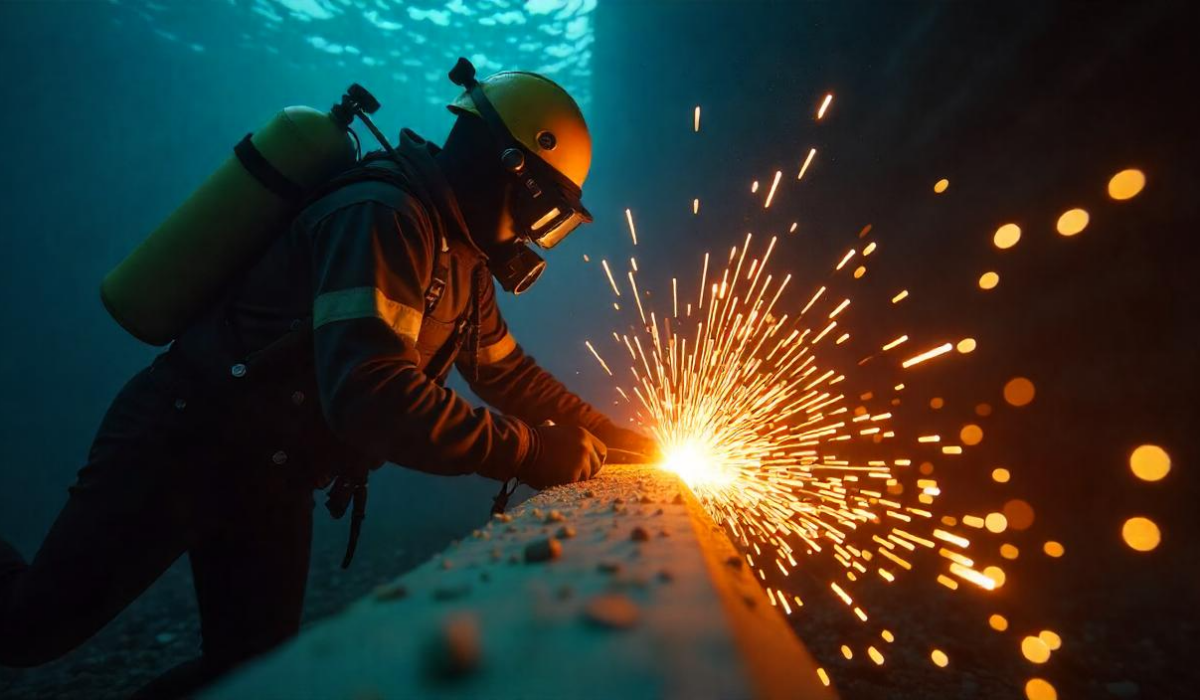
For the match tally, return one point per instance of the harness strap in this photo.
(267, 175)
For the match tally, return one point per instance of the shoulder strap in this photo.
(404, 180)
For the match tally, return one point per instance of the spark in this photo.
(613, 282)
(927, 355)
(774, 184)
(696, 120)
(748, 406)
(599, 359)
(812, 153)
(824, 106)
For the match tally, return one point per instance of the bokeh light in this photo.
(1141, 534)
(966, 345)
(1051, 639)
(1038, 689)
(1007, 236)
(939, 658)
(1072, 222)
(971, 435)
(1019, 514)
(989, 280)
(1054, 549)
(941, 185)
(1001, 475)
(1035, 650)
(998, 622)
(1126, 184)
(1150, 462)
(1019, 391)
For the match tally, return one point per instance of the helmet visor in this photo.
(549, 206)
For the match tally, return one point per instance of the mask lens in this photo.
(559, 227)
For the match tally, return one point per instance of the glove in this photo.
(638, 446)
(562, 454)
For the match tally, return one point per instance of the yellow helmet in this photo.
(541, 115)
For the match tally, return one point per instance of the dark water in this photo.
(115, 111)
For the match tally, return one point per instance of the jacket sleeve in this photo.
(371, 266)
(511, 381)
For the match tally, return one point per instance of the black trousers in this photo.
(150, 492)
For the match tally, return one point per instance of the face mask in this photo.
(515, 266)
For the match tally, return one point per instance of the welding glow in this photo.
(698, 464)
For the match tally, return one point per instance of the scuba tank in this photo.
(184, 265)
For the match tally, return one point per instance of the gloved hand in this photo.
(631, 441)
(562, 454)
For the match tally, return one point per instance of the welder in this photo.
(319, 361)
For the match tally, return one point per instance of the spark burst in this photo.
(759, 427)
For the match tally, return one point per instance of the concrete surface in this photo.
(619, 587)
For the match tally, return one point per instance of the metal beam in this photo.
(620, 587)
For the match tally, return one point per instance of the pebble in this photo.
(503, 517)
(555, 517)
(536, 513)
(639, 534)
(565, 532)
(543, 550)
(589, 494)
(734, 561)
(455, 650)
(609, 567)
(678, 500)
(390, 591)
(647, 499)
(612, 611)
(452, 591)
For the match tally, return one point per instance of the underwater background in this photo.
(116, 110)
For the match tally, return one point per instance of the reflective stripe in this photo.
(367, 302)
(495, 352)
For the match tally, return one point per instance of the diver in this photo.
(322, 359)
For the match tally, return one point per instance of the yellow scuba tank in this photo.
(184, 265)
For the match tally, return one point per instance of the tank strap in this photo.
(267, 175)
